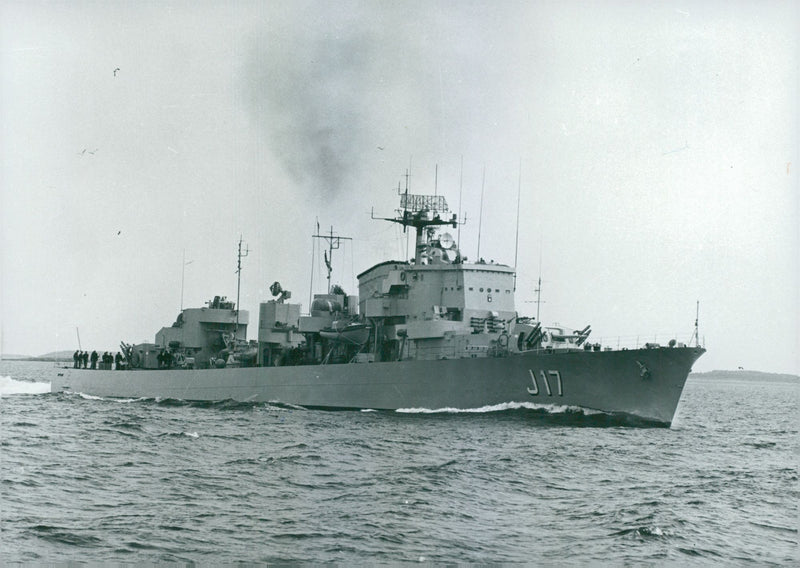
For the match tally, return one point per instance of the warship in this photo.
(433, 332)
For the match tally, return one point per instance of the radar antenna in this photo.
(423, 212)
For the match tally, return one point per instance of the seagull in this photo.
(115, 71)
(380, 147)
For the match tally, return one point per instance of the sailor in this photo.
(85, 359)
(94, 359)
(118, 360)
(75, 357)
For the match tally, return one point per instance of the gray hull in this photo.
(643, 382)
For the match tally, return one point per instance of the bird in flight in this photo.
(115, 71)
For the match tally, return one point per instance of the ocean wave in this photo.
(555, 414)
(11, 386)
(503, 407)
(90, 396)
(643, 532)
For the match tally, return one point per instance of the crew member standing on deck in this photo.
(117, 360)
(85, 358)
(94, 359)
(75, 359)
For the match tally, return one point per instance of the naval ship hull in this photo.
(643, 382)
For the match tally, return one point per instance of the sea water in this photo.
(141, 481)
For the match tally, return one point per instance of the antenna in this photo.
(334, 241)
(405, 206)
(460, 189)
(239, 280)
(422, 212)
(183, 272)
(436, 180)
(313, 249)
(539, 286)
(516, 238)
(184, 264)
(480, 216)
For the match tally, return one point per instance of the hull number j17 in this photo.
(553, 375)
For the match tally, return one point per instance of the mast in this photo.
(405, 211)
(239, 280)
(516, 237)
(539, 285)
(183, 272)
(460, 190)
(421, 212)
(480, 215)
(184, 264)
(334, 241)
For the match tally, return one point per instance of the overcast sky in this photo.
(657, 145)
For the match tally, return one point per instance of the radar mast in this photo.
(424, 213)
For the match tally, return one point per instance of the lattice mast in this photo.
(424, 213)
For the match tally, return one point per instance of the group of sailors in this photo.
(165, 359)
(83, 360)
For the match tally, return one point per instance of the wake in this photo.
(10, 386)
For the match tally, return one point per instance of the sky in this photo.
(653, 147)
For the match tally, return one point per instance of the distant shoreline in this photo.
(43, 359)
(52, 357)
(746, 374)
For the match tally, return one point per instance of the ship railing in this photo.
(641, 341)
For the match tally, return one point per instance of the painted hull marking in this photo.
(533, 390)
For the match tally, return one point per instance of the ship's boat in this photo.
(352, 333)
(434, 332)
